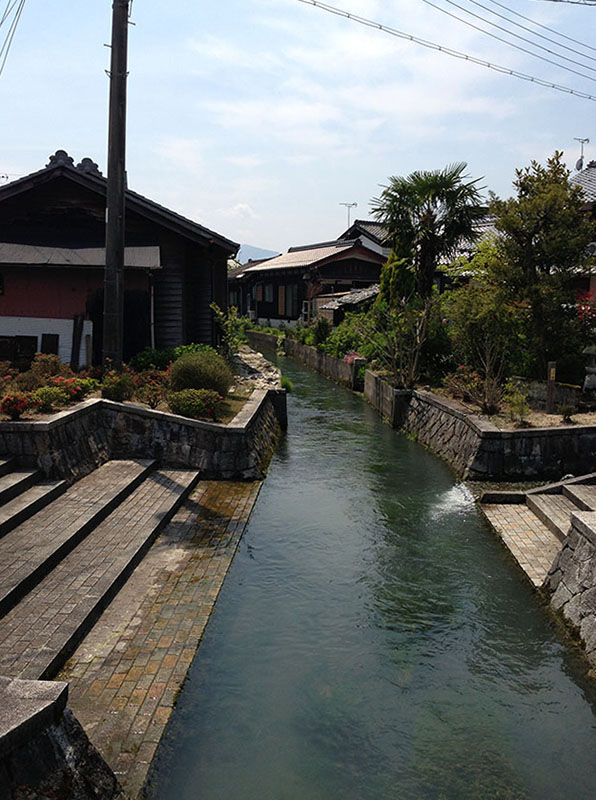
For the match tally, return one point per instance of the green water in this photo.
(373, 639)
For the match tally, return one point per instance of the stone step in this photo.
(531, 543)
(41, 632)
(25, 505)
(583, 495)
(33, 548)
(16, 482)
(554, 510)
(7, 465)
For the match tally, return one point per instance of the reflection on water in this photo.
(374, 640)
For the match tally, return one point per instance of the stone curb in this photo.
(27, 708)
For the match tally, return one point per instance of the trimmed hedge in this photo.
(202, 370)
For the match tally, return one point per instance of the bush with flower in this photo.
(16, 403)
(150, 386)
(196, 403)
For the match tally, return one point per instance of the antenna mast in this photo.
(349, 206)
(579, 164)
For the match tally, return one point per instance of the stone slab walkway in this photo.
(125, 677)
(531, 543)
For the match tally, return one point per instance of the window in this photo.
(292, 300)
(268, 292)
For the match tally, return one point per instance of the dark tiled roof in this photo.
(62, 164)
(587, 180)
(352, 298)
(374, 230)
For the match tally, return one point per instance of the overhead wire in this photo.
(447, 50)
(512, 44)
(7, 43)
(525, 28)
(9, 6)
(544, 27)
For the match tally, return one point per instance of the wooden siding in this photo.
(199, 317)
(169, 295)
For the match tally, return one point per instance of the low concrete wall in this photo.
(571, 581)
(256, 339)
(335, 368)
(477, 449)
(44, 752)
(74, 442)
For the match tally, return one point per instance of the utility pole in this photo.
(113, 304)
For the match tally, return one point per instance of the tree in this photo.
(485, 324)
(427, 215)
(545, 233)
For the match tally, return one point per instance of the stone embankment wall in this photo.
(74, 442)
(335, 368)
(477, 449)
(44, 751)
(572, 580)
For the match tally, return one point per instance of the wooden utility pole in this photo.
(113, 304)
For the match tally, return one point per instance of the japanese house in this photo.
(52, 256)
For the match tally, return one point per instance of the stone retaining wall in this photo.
(477, 449)
(335, 368)
(256, 339)
(74, 442)
(44, 752)
(572, 580)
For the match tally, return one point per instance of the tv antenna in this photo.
(579, 164)
(349, 206)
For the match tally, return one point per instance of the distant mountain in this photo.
(249, 253)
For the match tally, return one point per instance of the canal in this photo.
(374, 640)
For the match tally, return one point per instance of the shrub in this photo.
(47, 398)
(202, 370)
(287, 384)
(150, 386)
(516, 397)
(321, 331)
(16, 403)
(149, 358)
(196, 403)
(233, 330)
(74, 387)
(28, 381)
(47, 364)
(194, 347)
(118, 386)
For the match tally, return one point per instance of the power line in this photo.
(511, 44)
(6, 45)
(544, 27)
(525, 28)
(447, 50)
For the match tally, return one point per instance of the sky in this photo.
(259, 118)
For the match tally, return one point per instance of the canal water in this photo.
(373, 639)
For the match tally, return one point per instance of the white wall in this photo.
(36, 326)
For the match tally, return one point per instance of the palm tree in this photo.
(427, 215)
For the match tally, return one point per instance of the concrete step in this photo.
(14, 483)
(33, 548)
(554, 510)
(583, 495)
(25, 505)
(7, 464)
(40, 633)
(531, 543)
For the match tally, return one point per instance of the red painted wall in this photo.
(53, 292)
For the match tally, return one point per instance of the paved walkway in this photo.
(125, 677)
(531, 543)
